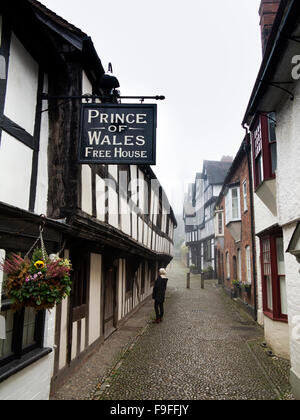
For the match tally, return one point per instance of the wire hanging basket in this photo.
(37, 281)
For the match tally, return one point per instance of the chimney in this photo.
(267, 11)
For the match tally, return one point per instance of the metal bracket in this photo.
(294, 38)
(88, 98)
(277, 85)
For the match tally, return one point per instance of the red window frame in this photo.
(269, 268)
(262, 145)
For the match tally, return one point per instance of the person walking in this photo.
(159, 291)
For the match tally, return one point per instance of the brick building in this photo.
(234, 231)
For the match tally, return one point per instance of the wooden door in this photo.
(109, 321)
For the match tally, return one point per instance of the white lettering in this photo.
(140, 140)
(128, 141)
(93, 113)
(296, 69)
(140, 118)
(94, 136)
(104, 118)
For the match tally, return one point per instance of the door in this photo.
(109, 318)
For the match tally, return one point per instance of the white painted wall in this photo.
(95, 298)
(22, 84)
(100, 198)
(42, 176)
(288, 151)
(86, 185)
(15, 169)
(293, 299)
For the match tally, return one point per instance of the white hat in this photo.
(162, 271)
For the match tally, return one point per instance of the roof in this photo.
(216, 171)
(275, 75)
(56, 18)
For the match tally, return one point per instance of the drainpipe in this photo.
(247, 149)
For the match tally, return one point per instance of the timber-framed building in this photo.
(117, 233)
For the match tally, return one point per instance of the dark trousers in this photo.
(159, 309)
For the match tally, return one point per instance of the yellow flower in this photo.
(39, 265)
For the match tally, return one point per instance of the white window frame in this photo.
(229, 205)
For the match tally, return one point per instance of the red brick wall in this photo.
(230, 246)
(267, 11)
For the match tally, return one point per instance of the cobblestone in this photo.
(205, 349)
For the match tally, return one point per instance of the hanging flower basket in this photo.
(40, 282)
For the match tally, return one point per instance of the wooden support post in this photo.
(202, 280)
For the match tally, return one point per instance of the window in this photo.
(24, 333)
(232, 205)
(245, 196)
(273, 277)
(264, 148)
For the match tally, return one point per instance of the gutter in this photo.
(265, 67)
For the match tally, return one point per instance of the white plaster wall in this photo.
(33, 382)
(288, 197)
(86, 182)
(293, 300)
(22, 83)
(95, 298)
(288, 167)
(113, 208)
(15, 169)
(125, 216)
(42, 176)
(64, 327)
(134, 226)
(63, 334)
(113, 171)
(277, 337)
(100, 198)
(87, 88)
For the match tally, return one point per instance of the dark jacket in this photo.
(159, 289)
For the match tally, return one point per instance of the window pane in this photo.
(5, 345)
(280, 256)
(29, 327)
(235, 204)
(283, 296)
(269, 293)
(259, 169)
(272, 126)
(245, 195)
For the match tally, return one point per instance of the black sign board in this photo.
(118, 134)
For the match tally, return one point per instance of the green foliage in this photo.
(37, 283)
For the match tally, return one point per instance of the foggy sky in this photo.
(203, 55)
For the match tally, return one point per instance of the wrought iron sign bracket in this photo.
(107, 99)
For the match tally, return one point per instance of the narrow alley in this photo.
(206, 349)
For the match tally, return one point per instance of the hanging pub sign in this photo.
(118, 134)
